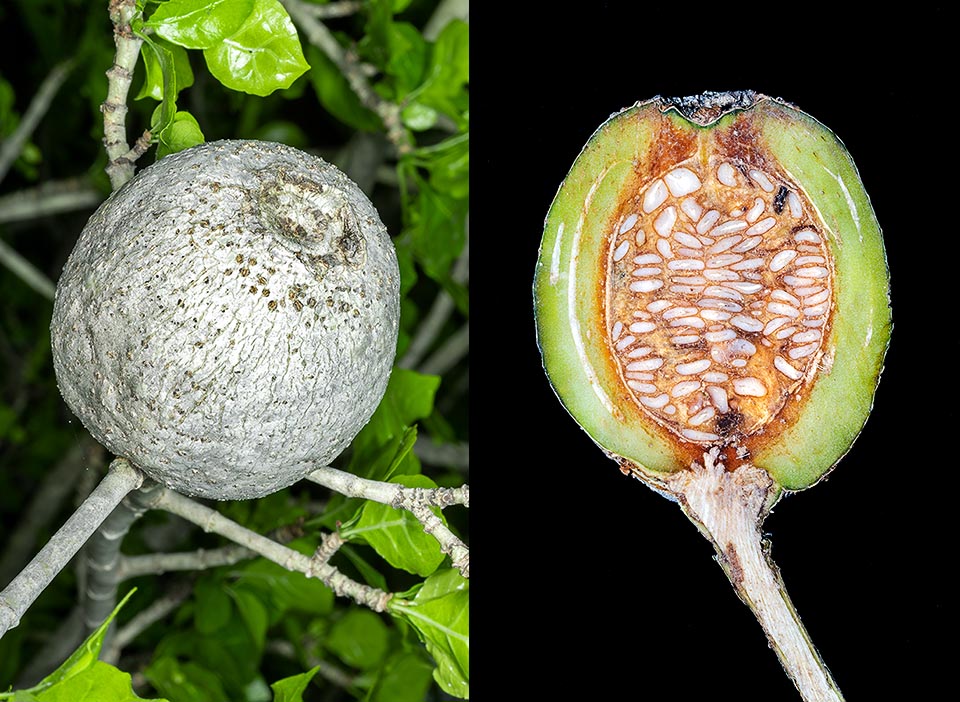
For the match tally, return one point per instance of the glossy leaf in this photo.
(185, 682)
(405, 677)
(214, 609)
(153, 82)
(284, 590)
(254, 614)
(199, 24)
(262, 56)
(182, 133)
(396, 535)
(440, 613)
(291, 689)
(164, 114)
(359, 639)
(337, 97)
(97, 683)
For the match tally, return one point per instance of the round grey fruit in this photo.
(228, 319)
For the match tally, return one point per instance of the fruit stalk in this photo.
(729, 507)
(121, 479)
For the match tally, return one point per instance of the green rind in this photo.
(565, 293)
(842, 398)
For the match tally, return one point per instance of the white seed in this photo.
(617, 331)
(664, 222)
(679, 312)
(718, 396)
(742, 286)
(813, 322)
(655, 196)
(747, 244)
(780, 261)
(694, 322)
(804, 337)
(761, 227)
(784, 296)
(646, 388)
(645, 272)
(774, 324)
(682, 181)
(659, 305)
(723, 292)
(684, 339)
(640, 237)
(816, 298)
(741, 347)
(647, 258)
(695, 435)
(621, 251)
(716, 337)
(709, 219)
(685, 388)
(628, 223)
(746, 323)
(633, 375)
(686, 289)
(813, 272)
(637, 353)
(781, 365)
(642, 327)
(727, 175)
(646, 285)
(816, 310)
(687, 239)
(749, 387)
(685, 252)
(796, 208)
(625, 342)
(729, 227)
(715, 304)
(807, 235)
(663, 246)
(795, 282)
(782, 309)
(689, 279)
(720, 274)
(723, 261)
(803, 351)
(804, 260)
(642, 315)
(691, 208)
(715, 315)
(754, 213)
(715, 377)
(749, 264)
(693, 367)
(761, 180)
(669, 409)
(685, 264)
(655, 402)
(646, 364)
(738, 363)
(785, 332)
(706, 414)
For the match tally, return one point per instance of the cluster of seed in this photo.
(718, 297)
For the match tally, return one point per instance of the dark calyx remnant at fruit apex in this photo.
(717, 304)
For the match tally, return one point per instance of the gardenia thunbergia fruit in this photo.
(228, 319)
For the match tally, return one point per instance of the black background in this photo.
(587, 581)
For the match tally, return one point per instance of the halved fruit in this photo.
(712, 277)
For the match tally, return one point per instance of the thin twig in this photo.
(26, 271)
(456, 346)
(348, 63)
(343, 8)
(52, 558)
(50, 198)
(13, 145)
(119, 76)
(451, 455)
(44, 505)
(212, 521)
(446, 11)
(141, 621)
(417, 501)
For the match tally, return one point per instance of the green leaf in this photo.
(262, 56)
(396, 534)
(409, 397)
(199, 24)
(291, 689)
(418, 116)
(95, 684)
(337, 97)
(440, 613)
(185, 682)
(254, 614)
(284, 590)
(163, 115)
(214, 609)
(409, 54)
(182, 133)
(449, 72)
(360, 639)
(438, 229)
(153, 82)
(405, 677)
